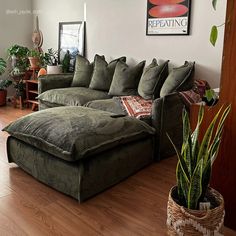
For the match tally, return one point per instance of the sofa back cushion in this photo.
(125, 80)
(179, 79)
(103, 73)
(152, 80)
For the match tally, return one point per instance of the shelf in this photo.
(33, 101)
(33, 81)
(33, 91)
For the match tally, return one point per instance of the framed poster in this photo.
(71, 40)
(168, 17)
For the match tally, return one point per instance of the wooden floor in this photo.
(137, 206)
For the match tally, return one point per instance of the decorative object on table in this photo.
(19, 58)
(66, 62)
(42, 71)
(72, 39)
(210, 97)
(193, 207)
(51, 61)
(37, 36)
(34, 57)
(168, 17)
(3, 83)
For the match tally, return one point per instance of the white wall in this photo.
(116, 28)
(15, 24)
(51, 12)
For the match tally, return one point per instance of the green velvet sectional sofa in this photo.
(81, 141)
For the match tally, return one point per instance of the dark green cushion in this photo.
(83, 72)
(72, 96)
(152, 80)
(103, 73)
(179, 79)
(72, 133)
(125, 80)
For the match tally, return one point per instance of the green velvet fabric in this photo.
(47, 82)
(103, 73)
(112, 105)
(152, 80)
(73, 133)
(83, 72)
(179, 79)
(73, 96)
(84, 178)
(167, 119)
(125, 80)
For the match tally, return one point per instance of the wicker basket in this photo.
(186, 222)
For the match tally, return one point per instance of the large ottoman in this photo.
(79, 151)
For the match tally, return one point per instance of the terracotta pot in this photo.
(34, 62)
(183, 221)
(3, 97)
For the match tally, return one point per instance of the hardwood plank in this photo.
(136, 206)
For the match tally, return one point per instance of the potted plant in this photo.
(34, 57)
(19, 59)
(193, 207)
(210, 97)
(3, 83)
(51, 61)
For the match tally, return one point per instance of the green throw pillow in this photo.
(179, 79)
(83, 72)
(152, 80)
(125, 80)
(103, 73)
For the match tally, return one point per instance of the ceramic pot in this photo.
(54, 69)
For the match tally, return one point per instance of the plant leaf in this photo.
(195, 143)
(195, 188)
(214, 2)
(206, 175)
(214, 35)
(181, 191)
(203, 150)
(182, 161)
(183, 186)
(214, 148)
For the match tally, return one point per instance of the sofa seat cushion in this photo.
(73, 133)
(111, 105)
(73, 96)
(123, 106)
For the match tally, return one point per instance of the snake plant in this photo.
(195, 159)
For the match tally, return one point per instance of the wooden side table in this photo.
(32, 93)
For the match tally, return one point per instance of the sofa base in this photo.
(84, 178)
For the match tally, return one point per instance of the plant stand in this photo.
(186, 222)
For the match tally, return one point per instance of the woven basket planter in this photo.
(186, 222)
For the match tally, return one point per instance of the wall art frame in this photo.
(168, 17)
(71, 38)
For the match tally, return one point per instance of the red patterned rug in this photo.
(136, 106)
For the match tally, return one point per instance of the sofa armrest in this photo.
(167, 118)
(47, 82)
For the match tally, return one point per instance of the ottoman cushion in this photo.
(73, 133)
